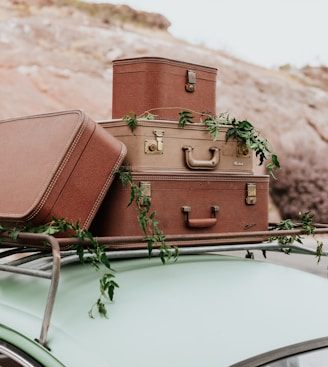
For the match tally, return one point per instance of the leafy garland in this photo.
(98, 259)
(147, 219)
(306, 224)
(243, 131)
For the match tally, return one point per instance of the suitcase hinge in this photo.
(251, 193)
(155, 146)
(145, 197)
(191, 81)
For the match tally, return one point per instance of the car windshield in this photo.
(313, 353)
(314, 358)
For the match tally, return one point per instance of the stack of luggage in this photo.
(196, 185)
(65, 164)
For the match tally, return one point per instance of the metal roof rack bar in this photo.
(117, 254)
(135, 242)
(53, 275)
(70, 256)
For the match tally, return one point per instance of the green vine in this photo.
(242, 131)
(132, 119)
(98, 257)
(306, 224)
(245, 131)
(147, 218)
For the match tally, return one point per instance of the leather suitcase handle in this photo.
(200, 222)
(193, 163)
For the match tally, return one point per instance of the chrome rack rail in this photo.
(213, 242)
(17, 266)
(60, 252)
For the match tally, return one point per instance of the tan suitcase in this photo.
(158, 146)
(56, 164)
(144, 83)
(188, 204)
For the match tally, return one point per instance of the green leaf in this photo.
(150, 247)
(111, 290)
(213, 127)
(104, 260)
(102, 310)
(231, 133)
(149, 116)
(80, 253)
(319, 251)
(185, 118)
(13, 234)
(131, 120)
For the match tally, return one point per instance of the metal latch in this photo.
(242, 150)
(155, 146)
(145, 197)
(191, 81)
(251, 193)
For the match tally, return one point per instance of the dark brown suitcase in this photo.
(188, 204)
(145, 83)
(163, 146)
(57, 164)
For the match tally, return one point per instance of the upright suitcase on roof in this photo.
(159, 84)
(57, 164)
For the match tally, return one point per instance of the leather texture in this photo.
(217, 204)
(57, 164)
(144, 83)
(161, 145)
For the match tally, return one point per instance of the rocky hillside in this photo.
(57, 55)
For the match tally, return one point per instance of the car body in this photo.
(205, 309)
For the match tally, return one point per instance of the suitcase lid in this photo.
(150, 63)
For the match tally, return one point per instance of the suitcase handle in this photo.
(200, 222)
(193, 163)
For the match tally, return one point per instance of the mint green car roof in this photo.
(204, 310)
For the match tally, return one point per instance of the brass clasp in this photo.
(155, 146)
(251, 193)
(191, 81)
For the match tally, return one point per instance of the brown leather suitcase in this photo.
(188, 204)
(57, 164)
(159, 146)
(144, 83)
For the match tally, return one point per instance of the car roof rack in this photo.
(33, 247)
(16, 266)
